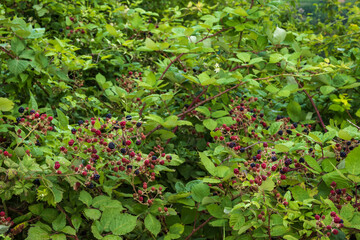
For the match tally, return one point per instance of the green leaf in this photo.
(111, 30)
(203, 110)
(313, 163)
(63, 120)
(275, 127)
(282, 148)
(85, 197)
(275, 57)
(37, 233)
(279, 35)
(177, 228)
(219, 114)
(267, 185)
(17, 66)
(155, 118)
(6, 104)
(59, 222)
(278, 230)
(93, 214)
(294, 111)
(352, 161)
(150, 44)
(123, 224)
(299, 194)
(208, 164)
(237, 220)
(244, 57)
(199, 191)
(59, 236)
(215, 210)
(210, 124)
(343, 134)
(68, 230)
(326, 89)
(152, 224)
(347, 212)
(240, 12)
(17, 46)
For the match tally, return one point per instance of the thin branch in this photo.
(240, 66)
(8, 52)
(353, 124)
(182, 54)
(213, 97)
(192, 103)
(67, 218)
(314, 105)
(199, 227)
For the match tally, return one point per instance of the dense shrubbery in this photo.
(129, 120)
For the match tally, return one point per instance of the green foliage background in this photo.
(77, 60)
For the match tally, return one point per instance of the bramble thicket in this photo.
(179, 119)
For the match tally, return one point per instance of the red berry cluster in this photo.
(343, 148)
(331, 228)
(5, 220)
(128, 82)
(34, 121)
(113, 147)
(340, 197)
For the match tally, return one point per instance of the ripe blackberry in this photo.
(80, 122)
(301, 160)
(108, 115)
(138, 124)
(154, 158)
(96, 177)
(111, 145)
(280, 132)
(252, 165)
(123, 150)
(242, 149)
(128, 117)
(273, 158)
(232, 144)
(288, 161)
(342, 154)
(21, 109)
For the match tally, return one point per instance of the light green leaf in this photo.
(111, 30)
(275, 127)
(352, 161)
(123, 224)
(63, 120)
(294, 111)
(6, 104)
(93, 214)
(152, 224)
(275, 57)
(208, 164)
(279, 35)
(199, 191)
(17, 66)
(85, 197)
(210, 124)
(237, 220)
(59, 222)
(313, 163)
(244, 57)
